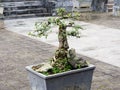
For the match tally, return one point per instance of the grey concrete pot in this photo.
(79, 79)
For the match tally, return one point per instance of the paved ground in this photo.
(99, 42)
(18, 51)
(105, 19)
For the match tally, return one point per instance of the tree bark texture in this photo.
(62, 51)
(62, 37)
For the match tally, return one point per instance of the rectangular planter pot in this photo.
(79, 79)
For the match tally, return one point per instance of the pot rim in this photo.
(29, 68)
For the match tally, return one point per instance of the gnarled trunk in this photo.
(62, 51)
(62, 38)
(61, 55)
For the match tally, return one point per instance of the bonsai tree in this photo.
(64, 58)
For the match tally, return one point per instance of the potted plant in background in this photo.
(65, 71)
